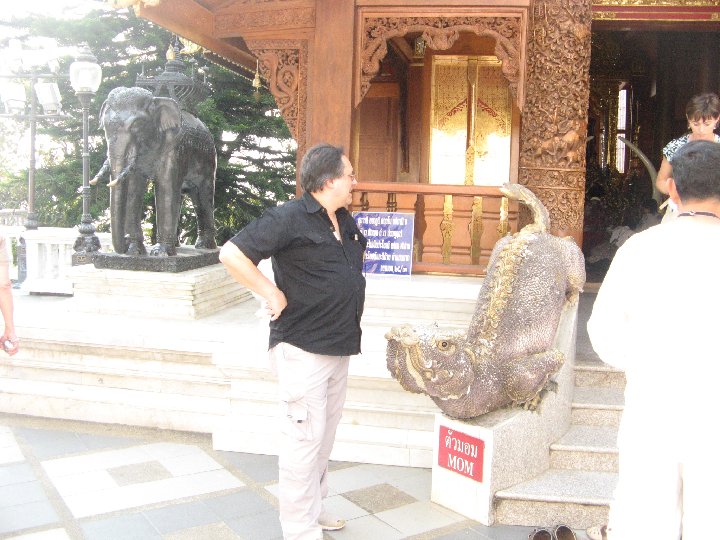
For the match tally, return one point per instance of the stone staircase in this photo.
(382, 423)
(578, 487)
(210, 375)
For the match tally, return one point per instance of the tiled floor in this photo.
(63, 480)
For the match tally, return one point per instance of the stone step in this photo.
(590, 372)
(420, 301)
(588, 448)
(418, 311)
(577, 488)
(593, 406)
(579, 499)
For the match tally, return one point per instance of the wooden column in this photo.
(330, 81)
(554, 125)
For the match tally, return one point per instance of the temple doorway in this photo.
(641, 79)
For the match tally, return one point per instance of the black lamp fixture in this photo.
(85, 78)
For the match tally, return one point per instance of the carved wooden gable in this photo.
(508, 28)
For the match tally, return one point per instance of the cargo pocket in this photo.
(294, 419)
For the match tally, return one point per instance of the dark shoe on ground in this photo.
(563, 532)
(540, 534)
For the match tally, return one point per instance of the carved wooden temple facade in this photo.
(438, 102)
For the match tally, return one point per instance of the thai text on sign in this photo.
(461, 453)
(390, 241)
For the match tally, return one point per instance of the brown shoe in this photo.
(563, 532)
(540, 534)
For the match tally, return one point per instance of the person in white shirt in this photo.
(667, 345)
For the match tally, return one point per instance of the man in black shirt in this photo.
(315, 307)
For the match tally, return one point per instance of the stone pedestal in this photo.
(176, 295)
(474, 459)
(187, 258)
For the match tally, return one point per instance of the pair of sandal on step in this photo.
(561, 532)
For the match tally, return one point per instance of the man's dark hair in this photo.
(321, 163)
(696, 170)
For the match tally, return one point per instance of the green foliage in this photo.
(256, 162)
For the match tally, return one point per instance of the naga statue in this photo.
(505, 358)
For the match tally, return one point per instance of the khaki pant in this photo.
(312, 394)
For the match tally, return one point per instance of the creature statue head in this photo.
(430, 361)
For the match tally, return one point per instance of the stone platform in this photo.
(191, 294)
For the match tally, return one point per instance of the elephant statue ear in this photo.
(101, 115)
(166, 112)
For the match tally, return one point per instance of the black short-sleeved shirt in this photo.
(321, 277)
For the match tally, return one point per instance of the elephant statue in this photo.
(151, 138)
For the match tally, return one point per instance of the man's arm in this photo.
(245, 272)
(663, 174)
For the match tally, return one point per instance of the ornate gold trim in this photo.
(446, 229)
(392, 202)
(476, 229)
(504, 226)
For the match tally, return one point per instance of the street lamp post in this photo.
(14, 101)
(13, 97)
(85, 77)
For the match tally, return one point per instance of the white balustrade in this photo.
(49, 258)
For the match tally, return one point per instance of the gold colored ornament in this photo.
(189, 48)
(257, 83)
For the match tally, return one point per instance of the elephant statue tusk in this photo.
(648, 165)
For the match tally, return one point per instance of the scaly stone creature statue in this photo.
(505, 357)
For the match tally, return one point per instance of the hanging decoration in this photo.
(257, 83)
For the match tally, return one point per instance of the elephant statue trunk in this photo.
(150, 138)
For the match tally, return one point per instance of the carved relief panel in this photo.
(277, 32)
(554, 128)
(283, 64)
(440, 33)
(269, 16)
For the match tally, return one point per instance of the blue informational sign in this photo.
(390, 242)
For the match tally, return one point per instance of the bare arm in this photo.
(664, 173)
(244, 271)
(6, 308)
